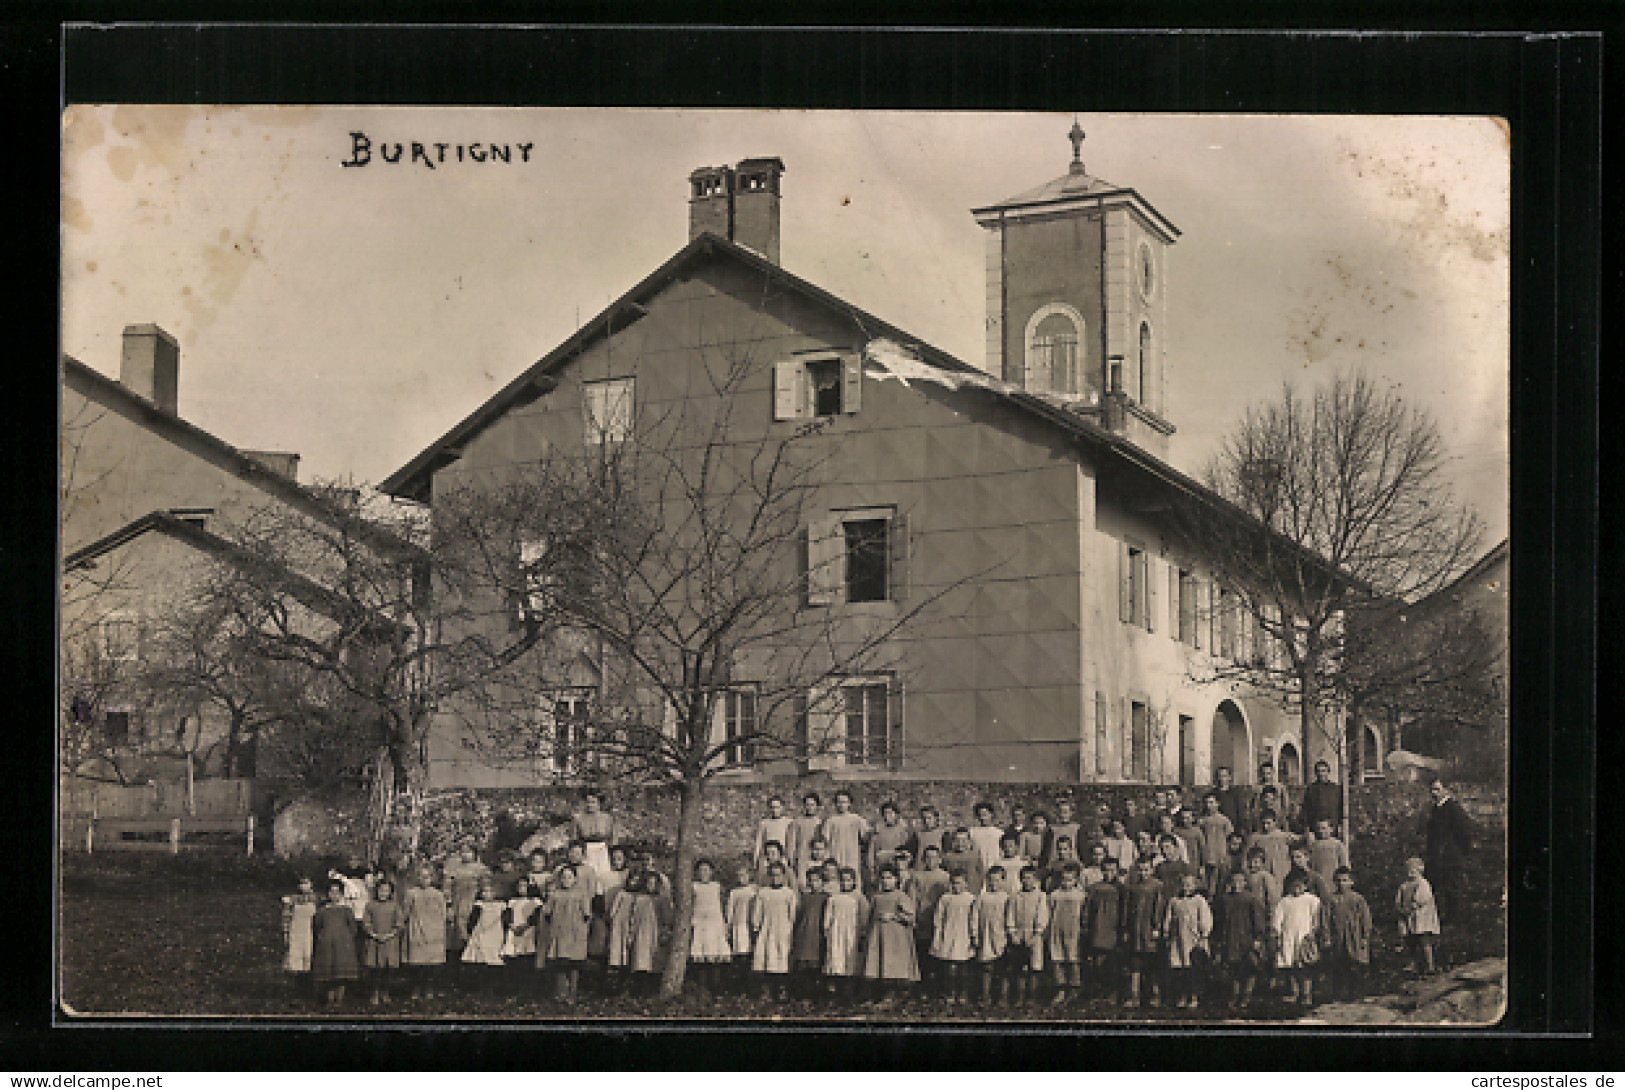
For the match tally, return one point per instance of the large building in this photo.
(1036, 491)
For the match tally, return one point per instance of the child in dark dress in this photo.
(1103, 928)
(1144, 905)
(1348, 927)
(807, 939)
(332, 957)
(1241, 925)
(381, 927)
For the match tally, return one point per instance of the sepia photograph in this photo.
(591, 566)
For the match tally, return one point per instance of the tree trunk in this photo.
(688, 835)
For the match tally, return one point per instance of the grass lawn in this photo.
(200, 934)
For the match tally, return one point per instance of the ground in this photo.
(200, 934)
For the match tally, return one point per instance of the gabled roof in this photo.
(212, 449)
(411, 481)
(305, 590)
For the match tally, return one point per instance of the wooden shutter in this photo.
(798, 712)
(1173, 600)
(1102, 729)
(1125, 584)
(826, 568)
(826, 728)
(1151, 595)
(1199, 629)
(894, 728)
(851, 383)
(787, 390)
(897, 576)
(1125, 741)
(545, 727)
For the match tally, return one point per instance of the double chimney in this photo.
(739, 203)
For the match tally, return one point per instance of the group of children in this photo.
(1159, 907)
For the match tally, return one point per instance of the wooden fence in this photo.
(157, 817)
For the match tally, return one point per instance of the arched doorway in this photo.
(1230, 744)
(1370, 753)
(1288, 765)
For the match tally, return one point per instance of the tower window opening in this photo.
(1052, 356)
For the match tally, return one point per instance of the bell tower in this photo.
(1077, 299)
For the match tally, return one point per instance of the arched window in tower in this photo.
(1054, 352)
(1146, 383)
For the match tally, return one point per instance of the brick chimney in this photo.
(150, 365)
(740, 204)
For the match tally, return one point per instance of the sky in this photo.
(353, 314)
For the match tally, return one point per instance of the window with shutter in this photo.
(868, 721)
(608, 408)
(1199, 613)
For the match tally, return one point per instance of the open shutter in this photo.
(1152, 598)
(1214, 611)
(894, 728)
(1125, 740)
(1102, 730)
(1199, 612)
(851, 383)
(1173, 600)
(826, 729)
(1125, 584)
(826, 554)
(798, 711)
(545, 727)
(719, 730)
(897, 577)
(787, 390)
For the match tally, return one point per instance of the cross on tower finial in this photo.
(1076, 136)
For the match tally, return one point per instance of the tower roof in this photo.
(1063, 194)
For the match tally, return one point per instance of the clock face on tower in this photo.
(1147, 270)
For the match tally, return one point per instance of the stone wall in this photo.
(1386, 818)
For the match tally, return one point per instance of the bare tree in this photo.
(94, 668)
(1334, 507)
(684, 566)
(327, 627)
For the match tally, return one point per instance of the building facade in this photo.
(146, 498)
(1070, 639)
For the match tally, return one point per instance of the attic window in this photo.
(821, 386)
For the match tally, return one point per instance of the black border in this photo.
(1548, 86)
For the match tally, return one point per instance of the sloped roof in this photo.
(214, 450)
(304, 589)
(1067, 185)
(411, 481)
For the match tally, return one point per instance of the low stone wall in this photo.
(1386, 818)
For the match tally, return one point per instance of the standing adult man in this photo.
(1323, 799)
(1449, 839)
(1233, 800)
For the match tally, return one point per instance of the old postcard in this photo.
(578, 565)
